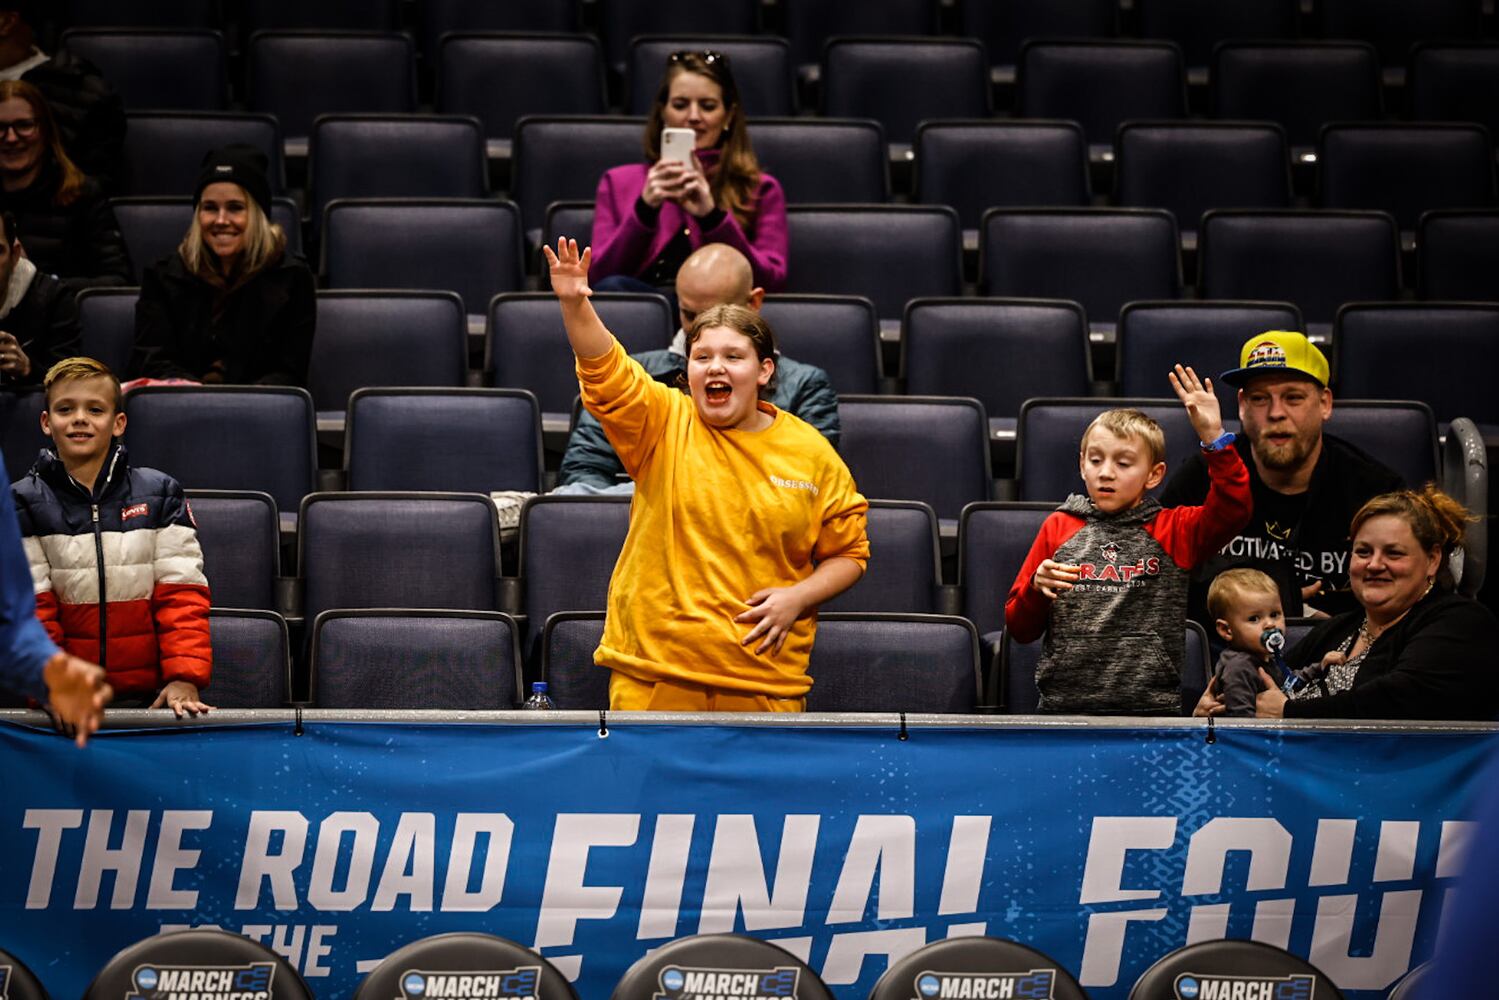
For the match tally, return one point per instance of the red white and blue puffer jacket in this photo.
(133, 541)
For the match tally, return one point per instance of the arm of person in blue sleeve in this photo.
(816, 402)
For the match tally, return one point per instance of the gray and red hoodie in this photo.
(1114, 643)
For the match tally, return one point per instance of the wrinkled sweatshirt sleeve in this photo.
(1191, 534)
(633, 407)
(24, 646)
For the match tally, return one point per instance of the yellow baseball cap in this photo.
(1279, 352)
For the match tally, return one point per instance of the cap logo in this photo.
(223, 168)
(1267, 354)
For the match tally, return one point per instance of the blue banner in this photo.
(1105, 848)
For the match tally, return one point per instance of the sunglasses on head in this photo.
(708, 56)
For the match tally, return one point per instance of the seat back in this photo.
(398, 550)
(568, 548)
(1451, 81)
(395, 156)
(153, 227)
(1392, 25)
(1100, 258)
(298, 75)
(928, 448)
(561, 158)
(444, 17)
(1197, 27)
(492, 77)
(1406, 169)
(1002, 25)
(1207, 336)
(761, 64)
(240, 534)
(1401, 433)
(251, 659)
(994, 538)
(838, 333)
(624, 20)
(141, 13)
(901, 82)
(1100, 84)
(1458, 256)
(570, 219)
(366, 15)
(164, 149)
(393, 658)
(106, 321)
(226, 437)
(21, 437)
(999, 351)
(568, 641)
(1188, 169)
(1318, 260)
(822, 160)
(528, 346)
(894, 663)
(907, 575)
(887, 253)
(1235, 960)
(1050, 431)
(1298, 85)
(198, 947)
(811, 23)
(405, 338)
(1026, 970)
(977, 165)
(471, 247)
(445, 957)
(1373, 356)
(178, 68)
(459, 440)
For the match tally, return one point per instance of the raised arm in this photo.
(569, 271)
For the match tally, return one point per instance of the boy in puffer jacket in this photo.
(1106, 579)
(114, 551)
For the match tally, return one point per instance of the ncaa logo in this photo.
(929, 985)
(672, 979)
(145, 979)
(1187, 988)
(414, 985)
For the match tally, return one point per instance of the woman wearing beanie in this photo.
(62, 217)
(649, 217)
(230, 305)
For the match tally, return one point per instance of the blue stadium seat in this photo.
(405, 338)
(21, 437)
(154, 227)
(106, 321)
(993, 539)
(1455, 81)
(251, 659)
(571, 219)
(164, 149)
(1050, 431)
(182, 68)
(838, 333)
(1017, 681)
(398, 550)
(1004, 25)
(396, 658)
(461, 440)
(494, 78)
(1406, 169)
(621, 21)
(998, 351)
(894, 663)
(1298, 85)
(471, 247)
(906, 576)
(568, 548)
(823, 160)
(1374, 359)
(298, 75)
(1400, 433)
(1458, 256)
(568, 641)
(928, 448)
(226, 437)
(561, 158)
(976, 165)
(761, 66)
(1100, 84)
(240, 533)
(901, 82)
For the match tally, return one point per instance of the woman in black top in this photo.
(66, 223)
(230, 305)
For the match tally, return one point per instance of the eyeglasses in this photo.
(708, 56)
(24, 128)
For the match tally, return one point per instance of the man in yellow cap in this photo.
(1306, 484)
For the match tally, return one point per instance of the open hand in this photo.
(1053, 578)
(773, 610)
(181, 696)
(1201, 402)
(569, 269)
(1270, 703)
(76, 695)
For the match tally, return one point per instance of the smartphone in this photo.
(678, 144)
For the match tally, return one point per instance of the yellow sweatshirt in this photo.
(717, 516)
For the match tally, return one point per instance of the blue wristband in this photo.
(1220, 442)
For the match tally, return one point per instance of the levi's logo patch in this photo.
(135, 510)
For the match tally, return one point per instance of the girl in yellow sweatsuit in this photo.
(744, 518)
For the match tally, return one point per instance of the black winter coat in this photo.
(261, 334)
(45, 321)
(79, 243)
(89, 114)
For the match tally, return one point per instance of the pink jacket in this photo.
(622, 245)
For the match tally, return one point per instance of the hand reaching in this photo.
(1201, 402)
(569, 269)
(182, 696)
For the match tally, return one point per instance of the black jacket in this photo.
(1315, 548)
(1438, 662)
(260, 333)
(45, 321)
(79, 243)
(89, 114)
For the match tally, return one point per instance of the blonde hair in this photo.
(77, 369)
(1231, 585)
(1130, 423)
(70, 180)
(265, 243)
(1436, 520)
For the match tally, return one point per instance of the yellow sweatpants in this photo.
(626, 694)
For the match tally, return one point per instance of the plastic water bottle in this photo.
(539, 701)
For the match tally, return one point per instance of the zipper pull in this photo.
(95, 509)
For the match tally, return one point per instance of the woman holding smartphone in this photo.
(648, 217)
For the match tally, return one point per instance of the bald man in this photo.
(715, 274)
